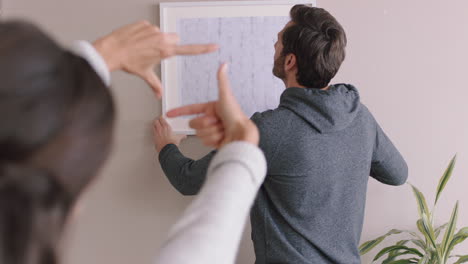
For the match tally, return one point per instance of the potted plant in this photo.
(426, 246)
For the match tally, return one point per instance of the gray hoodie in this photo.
(321, 146)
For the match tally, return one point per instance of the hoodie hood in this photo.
(328, 110)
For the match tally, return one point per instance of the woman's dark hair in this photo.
(57, 118)
(318, 41)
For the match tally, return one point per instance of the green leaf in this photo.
(404, 261)
(459, 237)
(433, 257)
(396, 248)
(439, 229)
(393, 258)
(445, 178)
(414, 234)
(424, 260)
(462, 259)
(426, 230)
(399, 243)
(419, 243)
(449, 233)
(402, 242)
(422, 205)
(396, 253)
(369, 245)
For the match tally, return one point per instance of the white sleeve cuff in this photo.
(85, 50)
(246, 154)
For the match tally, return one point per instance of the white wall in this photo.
(407, 57)
(409, 60)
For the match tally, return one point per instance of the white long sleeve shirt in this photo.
(209, 231)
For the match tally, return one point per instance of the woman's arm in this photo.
(136, 48)
(210, 229)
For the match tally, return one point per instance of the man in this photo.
(321, 144)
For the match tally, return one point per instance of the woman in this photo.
(57, 123)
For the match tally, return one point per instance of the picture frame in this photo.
(172, 13)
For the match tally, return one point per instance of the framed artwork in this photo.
(245, 31)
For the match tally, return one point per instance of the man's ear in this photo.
(290, 62)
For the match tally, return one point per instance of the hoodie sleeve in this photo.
(185, 174)
(388, 166)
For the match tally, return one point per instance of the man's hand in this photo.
(221, 121)
(139, 47)
(164, 135)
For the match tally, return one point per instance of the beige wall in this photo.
(408, 57)
(409, 60)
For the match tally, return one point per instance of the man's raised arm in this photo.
(185, 174)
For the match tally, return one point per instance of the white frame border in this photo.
(165, 5)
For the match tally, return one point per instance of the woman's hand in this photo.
(222, 121)
(137, 48)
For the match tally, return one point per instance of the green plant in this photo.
(425, 246)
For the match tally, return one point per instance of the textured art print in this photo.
(246, 43)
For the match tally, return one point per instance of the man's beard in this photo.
(278, 67)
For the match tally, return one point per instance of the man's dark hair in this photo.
(318, 41)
